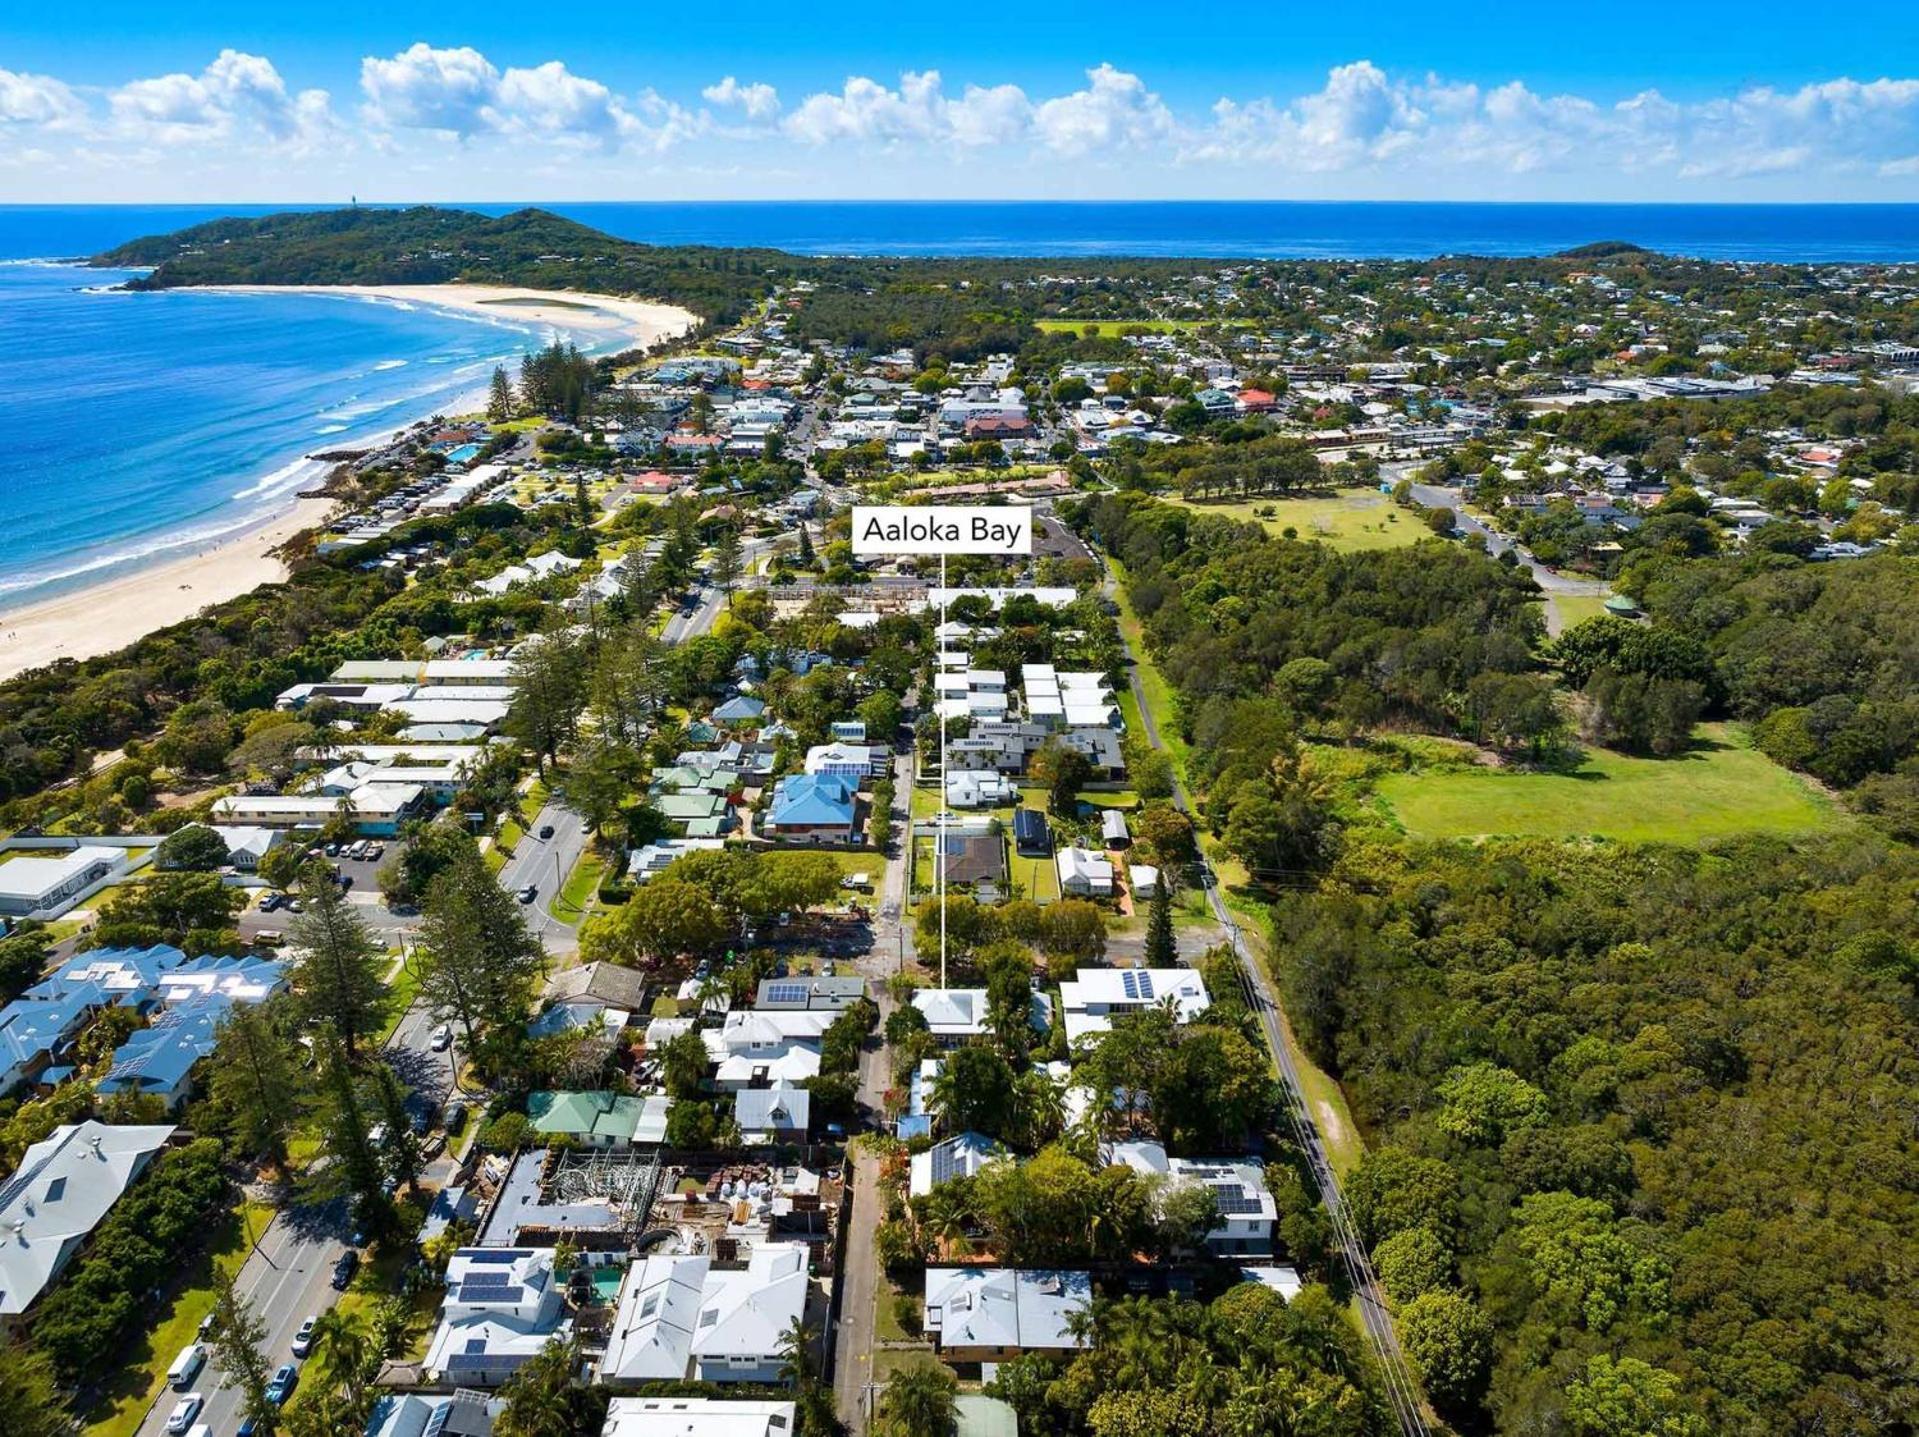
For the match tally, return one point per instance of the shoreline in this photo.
(642, 321)
(92, 619)
(103, 618)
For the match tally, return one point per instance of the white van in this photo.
(186, 1366)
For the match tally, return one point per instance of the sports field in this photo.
(1721, 788)
(1351, 519)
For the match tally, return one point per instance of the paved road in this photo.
(288, 1279)
(543, 864)
(1549, 580)
(1401, 1387)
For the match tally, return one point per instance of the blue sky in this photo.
(397, 101)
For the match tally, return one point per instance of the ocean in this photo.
(1232, 229)
(144, 425)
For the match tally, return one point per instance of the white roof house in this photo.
(954, 1014)
(957, 1157)
(758, 1047)
(680, 1317)
(766, 1115)
(1094, 995)
(980, 788)
(697, 1417)
(35, 885)
(502, 1307)
(64, 1185)
(981, 1314)
(1084, 873)
(1247, 1210)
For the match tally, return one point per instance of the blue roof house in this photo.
(740, 709)
(814, 808)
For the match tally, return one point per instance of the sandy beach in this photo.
(640, 321)
(109, 616)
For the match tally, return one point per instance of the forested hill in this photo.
(435, 246)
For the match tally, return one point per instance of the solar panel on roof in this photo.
(786, 993)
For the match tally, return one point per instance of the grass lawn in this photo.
(400, 993)
(131, 1391)
(577, 894)
(1159, 694)
(1576, 608)
(1351, 519)
(1721, 788)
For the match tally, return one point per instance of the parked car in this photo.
(270, 903)
(303, 1339)
(442, 1038)
(344, 1269)
(285, 1378)
(269, 938)
(455, 1117)
(184, 1411)
(186, 1366)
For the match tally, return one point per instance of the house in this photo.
(656, 858)
(597, 1119)
(993, 1314)
(814, 808)
(755, 1049)
(979, 788)
(1143, 880)
(855, 761)
(64, 1185)
(972, 858)
(1247, 1212)
(247, 845)
(698, 814)
(377, 809)
(681, 1317)
(502, 1306)
(1112, 829)
(413, 1414)
(809, 991)
(698, 1417)
(779, 1114)
(1032, 837)
(33, 886)
(957, 1015)
(1280, 1277)
(1094, 996)
(738, 710)
(957, 1157)
(158, 1060)
(593, 993)
(1084, 874)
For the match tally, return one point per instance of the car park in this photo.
(184, 1411)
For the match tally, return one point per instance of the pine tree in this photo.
(727, 562)
(478, 959)
(1162, 951)
(354, 1167)
(499, 404)
(582, 502)
(402, 1147)
(256, 1081)
(239, 1342)
(806, 546)
(338, 979)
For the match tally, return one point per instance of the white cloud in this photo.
(39, 101)
(1115, 109)
(758, 102)
(427, 89)
(866, 110)
(236, 90)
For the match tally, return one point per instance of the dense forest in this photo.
(1645, 1106)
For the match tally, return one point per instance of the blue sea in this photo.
(142, 425)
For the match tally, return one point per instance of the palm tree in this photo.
(345, 1347)
(920, 1401)
(946, 1212)
(796, 1355)
(1042, 1107)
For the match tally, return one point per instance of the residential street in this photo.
(543, 864)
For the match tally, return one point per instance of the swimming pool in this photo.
(465, 454)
